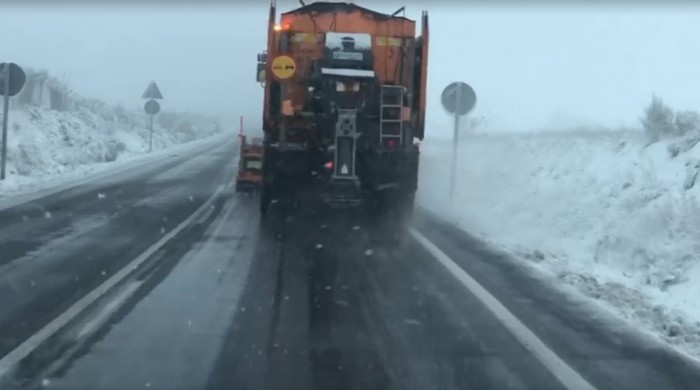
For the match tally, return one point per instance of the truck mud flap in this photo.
(341, 194)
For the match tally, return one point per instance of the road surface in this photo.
(294, 300)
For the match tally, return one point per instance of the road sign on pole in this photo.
(12, 80)
(152, 92)
(152, 107)
(462, 106)
(458, 99)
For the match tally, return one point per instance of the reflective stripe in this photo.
(388, 41)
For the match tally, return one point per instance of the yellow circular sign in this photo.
(283, 67)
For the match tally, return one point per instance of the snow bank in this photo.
(46, 145)
(608, 213)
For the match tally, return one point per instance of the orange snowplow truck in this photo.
(249, 175)
(344, 103)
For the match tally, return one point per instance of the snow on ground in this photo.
(47, 148)
(607, 213)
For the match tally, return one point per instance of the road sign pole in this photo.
(152, 108)
(455, 142)
(150, 139)
(5, 110)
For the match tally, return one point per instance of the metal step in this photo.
(392, 98)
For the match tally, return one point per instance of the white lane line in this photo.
(23, 350)
(564, 373)
(231, 206)
(130, 289)
(108, 309)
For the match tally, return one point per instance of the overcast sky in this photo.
(532, 67)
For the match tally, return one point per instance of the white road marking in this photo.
(108, 309)
(564, 373)
(205, 215)
(23, 350)
(230, 206)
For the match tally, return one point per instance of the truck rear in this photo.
(344, 107)
(250, 165)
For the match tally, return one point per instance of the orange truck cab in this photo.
(250, 165)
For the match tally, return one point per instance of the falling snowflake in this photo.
(47, 215)
(369, 252)
(101, 195)
(356, 227)
(319, 246)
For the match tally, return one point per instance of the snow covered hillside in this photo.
(609, 213)
(46, 142)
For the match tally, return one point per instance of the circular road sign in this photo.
(467, 98)
(152, 107)
(17, 78)
(283, 67)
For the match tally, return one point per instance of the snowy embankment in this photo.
(607, 213)
(47, 148)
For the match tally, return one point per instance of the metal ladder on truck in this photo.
(390, 115)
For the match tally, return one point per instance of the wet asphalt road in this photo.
(54, 250)
(295, 300)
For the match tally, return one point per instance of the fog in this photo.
(535, 67)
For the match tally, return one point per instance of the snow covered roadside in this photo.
(605, 213)
(49, 151)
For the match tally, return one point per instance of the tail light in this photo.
(329, 165)
(392, 143)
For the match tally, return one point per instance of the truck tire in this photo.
(406, 206)
(264, 201)
(400, 211)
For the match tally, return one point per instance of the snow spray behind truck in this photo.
(344, 103)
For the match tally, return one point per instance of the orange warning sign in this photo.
(283, 67)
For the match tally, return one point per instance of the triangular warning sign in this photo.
(152, 92)
(344, 169)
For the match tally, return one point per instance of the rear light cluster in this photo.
(392, 143)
